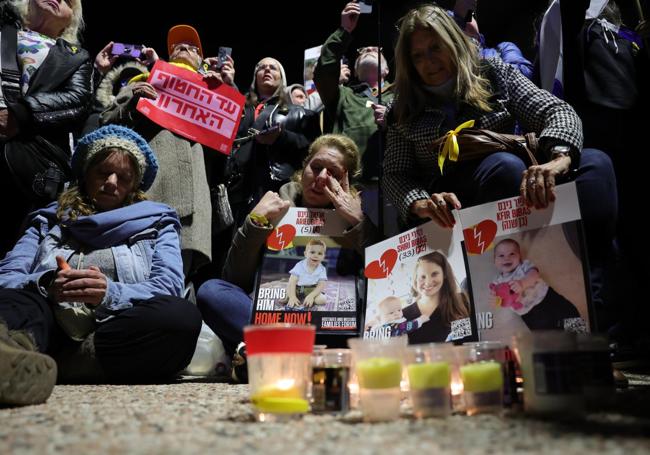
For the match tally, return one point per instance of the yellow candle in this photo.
(379, 373)
(482, 376)
(429, 375)
(281, 397)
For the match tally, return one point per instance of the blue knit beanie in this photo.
(115, 136)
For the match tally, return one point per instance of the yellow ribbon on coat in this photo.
(450, 146)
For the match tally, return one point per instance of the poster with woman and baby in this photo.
(417, 287)
(527, 266)
(307, 276)
(504, 268)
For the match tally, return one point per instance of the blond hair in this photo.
(318, 242)
(347, 148)
(470, 86)
(72, 33)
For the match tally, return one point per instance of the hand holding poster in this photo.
(188, 106)
(527, 266)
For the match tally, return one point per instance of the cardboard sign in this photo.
(417, 287)
(187, 106)
(527, 266)
(298, 279)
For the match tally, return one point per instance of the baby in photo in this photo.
(519, 286)
(308, 277)
(390, 316)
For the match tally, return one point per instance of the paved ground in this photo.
(197, 417)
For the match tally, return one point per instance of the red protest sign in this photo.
(188, 107)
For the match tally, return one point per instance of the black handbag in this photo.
(39, 167)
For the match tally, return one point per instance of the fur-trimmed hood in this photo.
(117, 78)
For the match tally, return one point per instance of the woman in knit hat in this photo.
(104, 253)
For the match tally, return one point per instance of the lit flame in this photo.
(285, 384)
(456, 386)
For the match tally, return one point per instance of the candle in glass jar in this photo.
(482, 377)
(282, 397)
(429, 375)
(379, 373)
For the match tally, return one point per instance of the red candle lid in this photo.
(279, 338)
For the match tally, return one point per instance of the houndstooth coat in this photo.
(410, 167)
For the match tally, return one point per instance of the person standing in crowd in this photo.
(354, 110)
(182, 182)
(104, 246)
(297, 94)
(273, 139)
(36, 120)
(441, 84)
(507, 51)
(603, 69)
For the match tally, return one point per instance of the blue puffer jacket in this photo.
(512, 55)
(144, 239)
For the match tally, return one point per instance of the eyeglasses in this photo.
(271, 66)
(189, 47)
(369, 49)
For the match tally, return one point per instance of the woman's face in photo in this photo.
(431, 58)
(430, 277)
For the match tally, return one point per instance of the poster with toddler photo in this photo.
(416, 287)
(305, 278)
(527, 266)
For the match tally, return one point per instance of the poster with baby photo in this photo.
(527, 266)
(307, 276)
(417, 287)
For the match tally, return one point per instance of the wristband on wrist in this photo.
(260, 220)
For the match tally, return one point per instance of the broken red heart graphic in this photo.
(382, 267)
(281, 237)
(478, 238)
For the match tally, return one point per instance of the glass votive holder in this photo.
(378, 366)
(498, 352)
(550, 368)
(482, 387)
(279, 369)
(429, 369)
(597, 372)
(330, 378)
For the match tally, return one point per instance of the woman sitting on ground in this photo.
(324, 182)
(104, 265)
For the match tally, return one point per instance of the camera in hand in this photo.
(127, 50)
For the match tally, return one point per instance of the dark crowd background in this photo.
(284, 29)
(281, 29)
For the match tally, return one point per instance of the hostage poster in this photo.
(418, 286)
(527, 265)
(300, 279)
